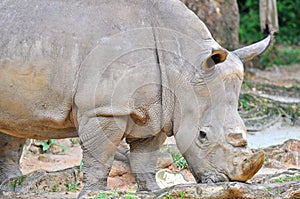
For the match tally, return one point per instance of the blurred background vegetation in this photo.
(235, 23)
(286, 50)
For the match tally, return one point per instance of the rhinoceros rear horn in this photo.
(249, 52)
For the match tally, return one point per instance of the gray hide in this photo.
(108, 70)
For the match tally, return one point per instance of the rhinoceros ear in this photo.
(249, 52)
(216, 57)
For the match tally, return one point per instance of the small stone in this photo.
(164, 160)
(275, 164)
(119, 168)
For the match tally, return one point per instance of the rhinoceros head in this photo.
(216, 147)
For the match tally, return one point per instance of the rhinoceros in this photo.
(139, 70)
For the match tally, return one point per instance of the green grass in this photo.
(75, 141)
(71, 186)
(247, 102)
(15, 182)
(129, 196)
(288, 179)
(178, 159)
(267, 189)
(182, 194)
(55, 188)
(47, 144)
(105, 195)
(168, 196)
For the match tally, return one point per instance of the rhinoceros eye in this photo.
(216, 57)
(202, 134)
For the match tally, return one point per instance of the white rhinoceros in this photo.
(138, 70)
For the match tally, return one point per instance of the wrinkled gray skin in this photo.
(107, 70)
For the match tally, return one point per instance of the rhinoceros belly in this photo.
(35, 102)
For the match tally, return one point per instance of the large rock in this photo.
(282, 185)
(287, 153)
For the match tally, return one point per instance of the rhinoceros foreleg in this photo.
(143, 159)
(100, 137)
(10, 153)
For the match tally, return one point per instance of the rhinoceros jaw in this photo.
(209, 177)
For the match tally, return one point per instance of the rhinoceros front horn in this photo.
(249, 52)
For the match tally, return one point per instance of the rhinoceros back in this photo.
(43, 44)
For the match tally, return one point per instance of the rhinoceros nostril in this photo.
(236, 139)
(235, 136)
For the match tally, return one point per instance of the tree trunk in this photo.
(221, 18)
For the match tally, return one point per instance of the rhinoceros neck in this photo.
(182, 42)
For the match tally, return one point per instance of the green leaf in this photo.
(45, 146)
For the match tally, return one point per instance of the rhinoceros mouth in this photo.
(197, 179)
(210, 177)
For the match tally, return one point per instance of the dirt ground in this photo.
(54, 159)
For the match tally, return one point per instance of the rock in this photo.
(222, 190)
(120, 176)
(35, 149)
(42, 181)
(166, 178)
(280, 177)
(293, 194)
(119, 168)
(164, 160)
(45, 158)
(42, 184)
(285, 184)
(123, 182)
(275, 164)
(287, 153)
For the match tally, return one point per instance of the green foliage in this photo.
(249, 31)
(72, 186)
(46, 145)
(246, 102)
(280, 56)
(266, 159)
(16, 182)
(20, 180)
(182, 194)
(55, 188)
(105, 195)
(80, 165)
(288, 179)
(168, 196)
(129, 196)
(289, 24)
(267, 189)
(116, 194)
(75, 141)
(12, 185)
(178, 159)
